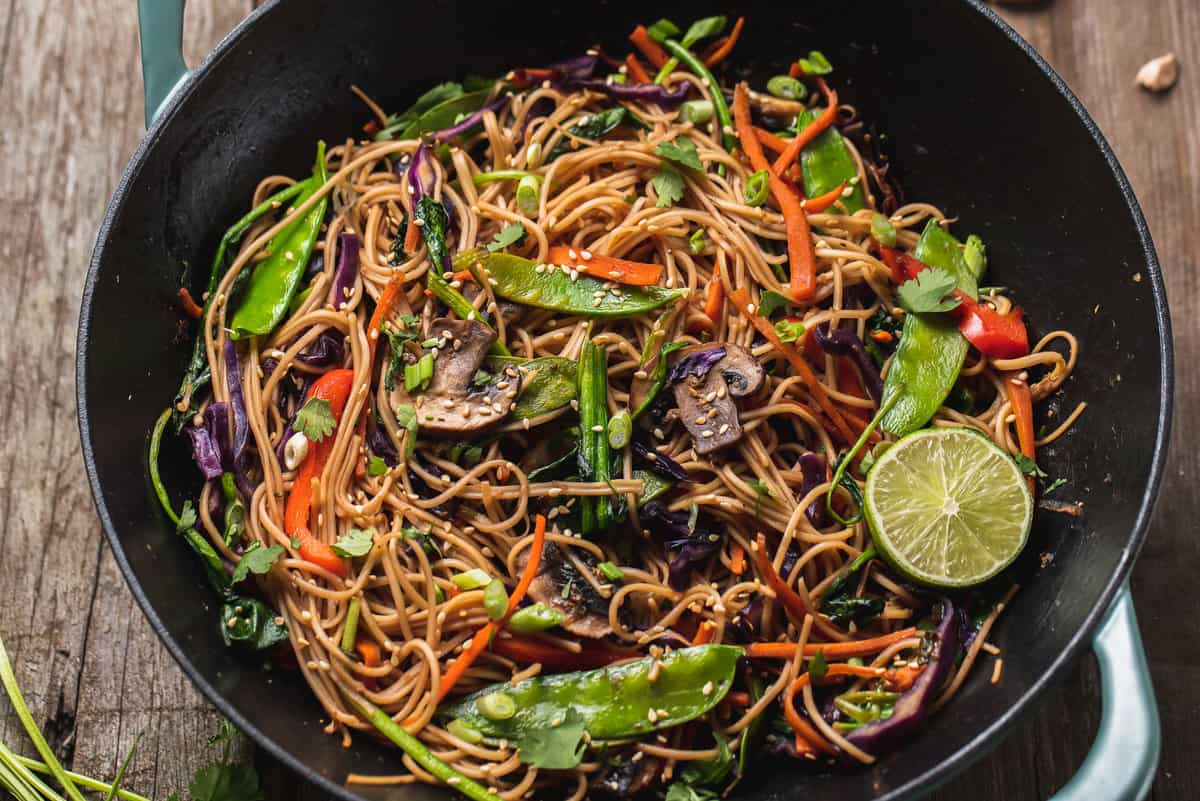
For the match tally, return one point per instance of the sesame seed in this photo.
(597, 428)
(720, 392)
(651, 716)
(710, 397)
(574, 275)
(724, 427)
(571, 252)
(701, 420)
(707, 688)
(641, 375)
(706, 432)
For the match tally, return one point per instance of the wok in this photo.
(974, 120)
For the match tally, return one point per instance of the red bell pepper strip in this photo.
(1001, 336)
(722, 47)
(1021, 400)
(334, 387)
(648, 47)
(528, 650)
(635, 70)
(606, 268)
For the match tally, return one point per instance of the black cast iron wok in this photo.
(976, 122)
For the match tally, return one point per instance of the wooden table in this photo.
(94, 673)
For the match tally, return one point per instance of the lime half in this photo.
(947, 507)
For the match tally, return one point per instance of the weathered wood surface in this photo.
(93, 671)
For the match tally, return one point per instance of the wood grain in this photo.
(94, 673)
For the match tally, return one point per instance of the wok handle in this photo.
(1124, 756)
(163, 68)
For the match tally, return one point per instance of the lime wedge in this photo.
(947, 507)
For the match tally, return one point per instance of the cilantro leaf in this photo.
(703, 29)
(668, 185)
(187, 517)
(770, 302)
(396, 341)
(789, 331)
(355, 542)
(257, 560)
(682, 151)
(1055, 484)
(558, 747)
(376, 467)
(406, 418)
(511, 234)
(425, 539)
(817, 667)
(927, 292)
(315, 419)
(682, 791)
(710, 771)
(1028, 466)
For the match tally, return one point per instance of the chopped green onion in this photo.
(789, 330)
(616, 77)
(417, 376)
(816, 64)
(496, 706)
(857, 661)
(620, 429)
(539, 617)
(529, 192)
(473, 579)
(975, 255)
(757, 188)
(663, 29)
(696, 111)
(787, 87)
(464, 732)
(610, 571)
(495, 599)
(883, 230)
(696, 242)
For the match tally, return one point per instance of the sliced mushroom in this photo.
(560, 585)
(705, 401)
(453, 404)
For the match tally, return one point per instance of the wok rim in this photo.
(985, 740)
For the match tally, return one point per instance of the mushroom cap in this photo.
(453, 404)
(705, 401)
(585, 612)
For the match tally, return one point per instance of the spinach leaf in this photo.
(594, 127)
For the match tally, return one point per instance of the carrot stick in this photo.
(333, 387)
(801, 257)
(368, 652)
(714, 301)
(796, 605)
(635, 70)
(606, 268)
(737, 559)
(794, 71)
(648, 47)
(806, 734)
(412, 237)
(818, 204)
(482, 637)
(704, 634)
(320, 554)
(770, 140)
(529, 650)
(190, 307)
(741, 299)
(831, 650)
(1021, 401)
(738, 698)
(810, 132)
(387, 300)
(724, 46)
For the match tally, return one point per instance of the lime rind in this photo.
(948, 508)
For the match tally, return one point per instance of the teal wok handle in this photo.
(163, 67)
(1124, 756)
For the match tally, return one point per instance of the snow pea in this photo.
(931, 350)
(445, 114)
(826, 162)
(614, 702)
(547, 383)
(520, 280)
(274, 281)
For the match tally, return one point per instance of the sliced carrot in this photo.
(1021, 401)
(635, 70)
(320, 554)
(383, 310)
(721, 48)
(705, 633)
(810, 132)
(714, 300)
(371, 127)
(902, 679)
(190, 307)
(368, 652)
(818, 204)
(412, 237)
(737, 559)
(741, 299)
(607, 268)
(801, 258)
(529, 650)
(806, 734)
(463, 275)
(795, 605)
(831, 650)
(738, 698)
(882, 336)
(794, 71)
(648, 47)
(770, 140)
(482, 637)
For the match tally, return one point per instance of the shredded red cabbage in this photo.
(347, 269)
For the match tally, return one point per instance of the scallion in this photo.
(696, 111)
(417, 376)
(610, 571)
(496, 706)
(758, 187)
(883, 230)
(620, 428)
(529, 190)
(495, 599)
(787, 87)
(473, 579)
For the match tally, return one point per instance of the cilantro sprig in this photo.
(927, 292)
